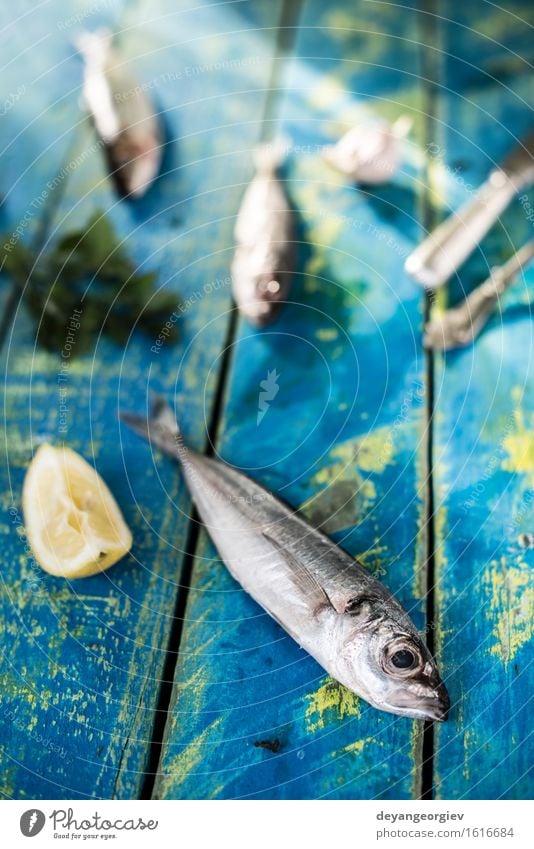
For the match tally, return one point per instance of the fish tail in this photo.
(158, 427)
(94, 46)
(268, 157)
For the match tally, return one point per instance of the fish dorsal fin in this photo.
(301, 576)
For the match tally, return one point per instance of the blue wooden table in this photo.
(161, 677)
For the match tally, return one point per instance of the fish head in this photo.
(385, 661)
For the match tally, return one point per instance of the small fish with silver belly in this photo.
(346, 619)
(122, 114)
(369, 153)
(264, 254)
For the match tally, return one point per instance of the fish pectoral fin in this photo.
(302, 577)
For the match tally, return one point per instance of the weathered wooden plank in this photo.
(83, 661)
(484, 426)
(252, 714)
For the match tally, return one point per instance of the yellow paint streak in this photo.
(372, 553)
(330, 703)
(371, 453)
(342, 20)
(312, 285)
(342, 494)
(327, 334)
(467, 739)
(327, 93)
(359, 745)
(315, 265)
(416, 738)
(375, 451)
(419, 580)
(326, 230)
(511, 606)
(440, 530)
(192, 689)
(500, 25)
(341, 502)
(520, 446)
(181, 766)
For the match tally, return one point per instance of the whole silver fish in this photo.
(264, 254)
(325, 600)
(122, 114)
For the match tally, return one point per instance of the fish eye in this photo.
(401, 658)
(404, 659)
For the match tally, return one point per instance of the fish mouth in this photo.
(436, 711)
(431, 708)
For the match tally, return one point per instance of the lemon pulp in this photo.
(73, 524)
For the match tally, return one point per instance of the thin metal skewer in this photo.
(461, 324)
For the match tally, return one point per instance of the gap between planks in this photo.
(429, 36)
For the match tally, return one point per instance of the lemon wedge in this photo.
(73, 523)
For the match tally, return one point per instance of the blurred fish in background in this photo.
(264, 254)
(369, 154)
(122, 114)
